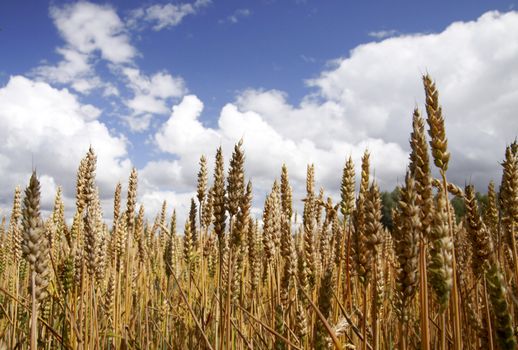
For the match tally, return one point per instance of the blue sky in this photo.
(277, 45)
(240, 68)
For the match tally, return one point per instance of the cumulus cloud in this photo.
(163, 16)
(365, 101)
(151, 94)
(89, 28)
(152, 201)
(162, 173)
(50, 130)
(362, 101)
(183, 133)
(90, 31)
(74, 69)
(378, 86)
(138, 123)
(267, 147)
(95, 33)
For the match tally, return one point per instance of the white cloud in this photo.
(50, 130)
(89, 31)
(266, 145)
(74, 69)
(162, 173)
(365, 101)
(138, 123)
(183, 133)
(160, 85)
(379, 84)
(110, 90)
(383, 34)
(94, 33)
(151, 95)
(152, 201)
(166, 15)
(236, 16)
(89, 28)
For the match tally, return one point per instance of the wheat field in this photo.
(334, 278)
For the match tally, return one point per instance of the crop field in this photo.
(332, 277)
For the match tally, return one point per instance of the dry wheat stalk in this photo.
(143, 284)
